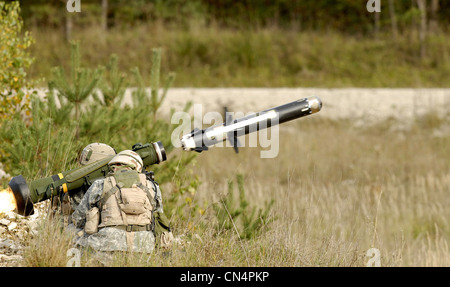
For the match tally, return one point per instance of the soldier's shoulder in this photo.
(97, 184)
(99, 181)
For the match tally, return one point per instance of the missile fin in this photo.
(200, 149)
(236, 144)
(232, 137)
(194, 131)
(228, 117)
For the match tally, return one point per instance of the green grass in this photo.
(267, 57)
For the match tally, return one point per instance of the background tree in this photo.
(104, 17)
(434, 16)
(393, 17)
(422, 4)
(81, 84)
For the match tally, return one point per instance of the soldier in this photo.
(66, 203)
(122, 212)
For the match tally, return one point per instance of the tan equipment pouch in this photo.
(134, 200)
(92, 221)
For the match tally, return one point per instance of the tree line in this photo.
(348, 16)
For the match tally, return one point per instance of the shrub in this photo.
(241, 216)
(14, 60)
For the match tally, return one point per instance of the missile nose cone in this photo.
(315, 104)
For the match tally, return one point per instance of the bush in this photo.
(14, 60)
(240, 216)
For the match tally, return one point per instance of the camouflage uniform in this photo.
(110, 238)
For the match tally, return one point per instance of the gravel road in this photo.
(337, 103)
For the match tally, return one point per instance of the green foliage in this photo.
(81, 84)
(31, 149)
(155, 75)
(113, 85)
(239, 215)
(182, 201)
(68, 119)
(14, 60)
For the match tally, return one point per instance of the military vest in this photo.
(127, 201)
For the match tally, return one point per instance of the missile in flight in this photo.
(199, 140)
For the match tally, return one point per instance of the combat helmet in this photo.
(128, 158)
(94, 152)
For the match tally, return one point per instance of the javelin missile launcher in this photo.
(26, 194)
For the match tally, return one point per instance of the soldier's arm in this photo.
(89, 200)
(163, 232)
(158, 198)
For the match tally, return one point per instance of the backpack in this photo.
(127, 202)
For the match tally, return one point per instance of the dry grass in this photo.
(339, 189)
(49, 247)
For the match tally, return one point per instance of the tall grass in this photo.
(339, 190)
(49, 246)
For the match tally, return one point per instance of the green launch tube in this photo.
(45, 188)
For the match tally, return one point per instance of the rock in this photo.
(6, 243)
(4, 221)
(15, 257)
(5, 258)
(16, 247)
(2, 230)
(33, 227)
(12, 226)
(11, 215)
(21, 235)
